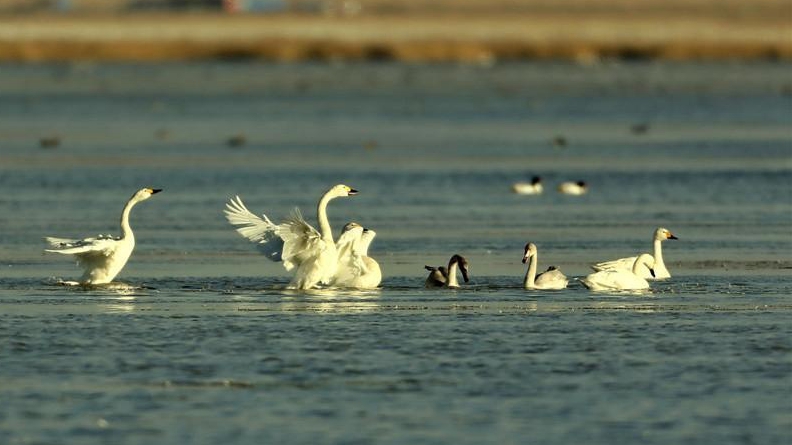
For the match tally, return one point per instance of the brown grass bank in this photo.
(475, 38)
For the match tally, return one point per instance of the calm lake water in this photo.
(201, 344)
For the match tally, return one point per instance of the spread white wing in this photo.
(89, 252)
(101, 245)
(261, 231)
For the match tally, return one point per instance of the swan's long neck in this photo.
(126, 230)
(530, 275)
(321, 215)
(658, 254)
(452, 275)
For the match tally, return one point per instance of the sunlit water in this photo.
(200, 342)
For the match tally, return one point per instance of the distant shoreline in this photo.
(424, 38)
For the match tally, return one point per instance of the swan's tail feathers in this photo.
(259, 230)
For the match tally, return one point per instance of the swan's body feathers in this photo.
(301, 241)
(614, 279)
(622, 279)
(621, 263)
(553, 278)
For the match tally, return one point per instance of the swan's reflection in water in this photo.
(122, 289)
(120, 304)
(330, 300)
(122, 297)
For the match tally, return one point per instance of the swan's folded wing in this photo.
(260, 231)
(621, 263)
(301, 242)
(553, 275)
(355, 267)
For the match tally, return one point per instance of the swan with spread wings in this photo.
(311, 253)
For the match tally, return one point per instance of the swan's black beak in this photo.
(154, 191)
(352, 192)
(651, 271)
(429, 268)
(671, 236)
(464, 273)
(525, 259)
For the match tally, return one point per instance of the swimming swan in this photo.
(295, 242)
(437, 276)
(551, 279)
(442, 277)
(355, 268)
(621, 279)
(528, 188)
(573, 188)
(660, 272)
(103, 257)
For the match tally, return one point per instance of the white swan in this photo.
(103, 257)
(660, 271)
(295, 242)
(355, 268)
(528, 188)
(573, 188)
(551, 279)
(621, 279)
(442, 277)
